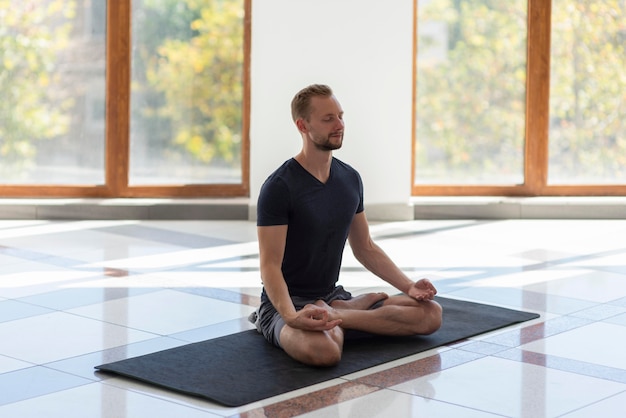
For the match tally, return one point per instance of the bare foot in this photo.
(360, 302)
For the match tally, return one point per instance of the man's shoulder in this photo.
(283, 167)
(345, 170)
(339, 163)
(283, 170)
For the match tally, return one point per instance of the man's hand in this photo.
(422, 289)
(313, 318)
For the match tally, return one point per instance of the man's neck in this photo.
(316, 162)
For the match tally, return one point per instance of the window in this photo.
(519, 98)
(587, 93)
(47, 130)
(471, 73)
(186, 100)
(125, 98)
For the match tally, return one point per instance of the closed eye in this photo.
(331, 118)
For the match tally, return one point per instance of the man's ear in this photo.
(301, 125)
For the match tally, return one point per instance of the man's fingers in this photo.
(332, 324)
(318, 318)
(323, 325)
(312, 311)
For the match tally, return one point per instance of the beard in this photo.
(327, 143)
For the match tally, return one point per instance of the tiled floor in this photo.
(77, 294)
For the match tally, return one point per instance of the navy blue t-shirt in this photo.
(318, 216)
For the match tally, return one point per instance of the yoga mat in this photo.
(242, 368)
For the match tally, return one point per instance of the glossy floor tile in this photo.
(76, 294)
(510, 388)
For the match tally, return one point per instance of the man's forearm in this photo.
(379, 263)
(278, 293)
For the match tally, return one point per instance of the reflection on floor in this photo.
(77, 294)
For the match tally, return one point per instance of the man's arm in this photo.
(272, 241)
(378, 262)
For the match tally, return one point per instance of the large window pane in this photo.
(471, 75)
(187, 90)
(588, 92)
(52, 84)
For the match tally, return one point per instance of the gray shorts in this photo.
(270, 323)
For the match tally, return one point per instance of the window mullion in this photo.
(537, 96)
(118, 96)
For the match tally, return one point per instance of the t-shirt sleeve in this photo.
(361, 206)
(273, 203)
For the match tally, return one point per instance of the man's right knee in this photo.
(435, 313)
(326, 356)
(315, 350)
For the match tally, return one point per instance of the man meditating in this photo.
(307, 209)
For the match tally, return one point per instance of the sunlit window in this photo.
(470, 99)
(52, 82)
(588, 92)
(187, 91)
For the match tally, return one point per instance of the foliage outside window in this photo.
(588, 92)
(180, 75)
(38, 101)
(187, 91)
(476, 80)
(471, 74)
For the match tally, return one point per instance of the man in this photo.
(307, 209)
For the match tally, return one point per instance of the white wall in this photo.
(363, 50)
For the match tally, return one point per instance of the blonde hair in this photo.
(301, 103)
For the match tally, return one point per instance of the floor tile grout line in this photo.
(300, 404)
(42, 366)
(564, 364)
(450, 403)
(591, 404)
(365, 381)
(108, 382)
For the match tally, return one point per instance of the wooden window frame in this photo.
(537, 123)
(117, 129)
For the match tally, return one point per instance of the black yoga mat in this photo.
(242, 368)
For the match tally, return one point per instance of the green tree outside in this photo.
(471, 100)
(471, 104)
(31, 109)
(191, 79)
(588, 92)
